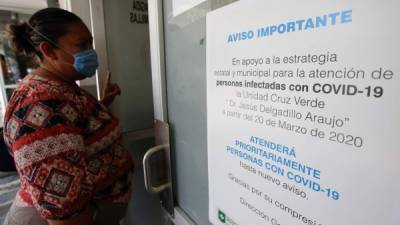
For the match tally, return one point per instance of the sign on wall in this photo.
(139, 12)
(303, 113)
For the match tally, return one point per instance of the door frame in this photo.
(157, 54)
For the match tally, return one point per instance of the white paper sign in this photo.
(303, 112)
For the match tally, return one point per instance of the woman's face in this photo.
(77, 39)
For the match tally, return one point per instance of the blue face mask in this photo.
(86, 62)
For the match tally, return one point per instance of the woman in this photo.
(66, 145)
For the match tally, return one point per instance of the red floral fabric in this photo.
(67, 148)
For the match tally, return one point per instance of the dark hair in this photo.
(45, 25)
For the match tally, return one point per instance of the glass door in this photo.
(184, 29)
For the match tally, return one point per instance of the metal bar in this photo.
(147, 172)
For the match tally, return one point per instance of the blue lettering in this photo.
(346, 16)
(333, 17)
(309, 24)
(300, 23)
(241, 36)
(274, 169)
(230, 39)
(321, 21)
(290, 26)
(263, 31)
(282, 28)
(304, 181)
(273, 29)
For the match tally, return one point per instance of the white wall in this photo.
(128, 50)
(23, 6)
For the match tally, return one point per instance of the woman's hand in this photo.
(109, 91)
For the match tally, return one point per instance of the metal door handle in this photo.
(147, 172)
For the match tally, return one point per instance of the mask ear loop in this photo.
(53, 43)
(47, 39)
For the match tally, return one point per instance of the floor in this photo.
(9, 185)
(144, 208)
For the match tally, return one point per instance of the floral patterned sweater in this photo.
(67, 149)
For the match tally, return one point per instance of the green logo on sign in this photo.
(221, 216)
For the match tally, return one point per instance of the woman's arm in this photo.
(50, 155)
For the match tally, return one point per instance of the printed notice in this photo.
(303, 113)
